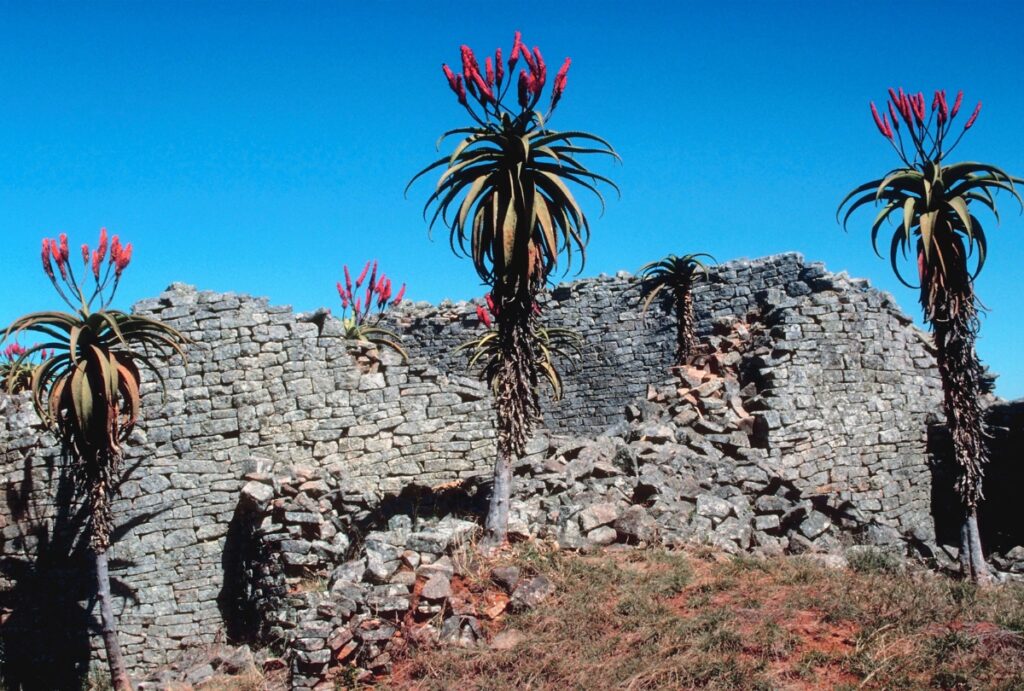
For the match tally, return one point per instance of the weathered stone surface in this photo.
(598, 515)
(505, 576)
(437, 587)
(530, 593)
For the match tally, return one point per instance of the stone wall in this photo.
(260, 383)
(840, 396)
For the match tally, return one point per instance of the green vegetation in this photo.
(678, 275)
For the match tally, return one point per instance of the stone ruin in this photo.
(284, 495)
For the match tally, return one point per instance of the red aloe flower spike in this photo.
(895, 120)
(469, 63)
(47, 266)
(524, 88)
(528, 57)
(943, 108)
(348, 279)
(97, 259)
(541, 74)
(401, 294)
(356, 310)
(974, 116)
(499, 67)
(64, 248)
(359, 280)
(489, 299)
(460, 89)
(122, 260)
(341, 290)
(536, 307)
(888, 128)
(894, 96)
(489, 70)
(906, 109)
(956, 104)
(102, 249)
(373, 274)
(482, 315)
(454, 83)
(517, 41)
(935, 101)
(563, 74)
(481, 85)
(85, 254)
(115, 250)
(919, 107)
(878, 121)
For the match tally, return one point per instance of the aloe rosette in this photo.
(676, 274)
(368, 307)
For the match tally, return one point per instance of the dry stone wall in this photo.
(839, 393)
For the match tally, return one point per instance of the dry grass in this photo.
(252, 680)
(663, 620)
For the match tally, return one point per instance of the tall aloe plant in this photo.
(86, 388)
(677, 274)
(933, 204)
(505, 194)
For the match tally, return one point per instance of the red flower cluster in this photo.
(378, 291)
(911, 109)
(924, 138)
(490, 87)
(109, 253)
(484, 315)
(490, 314)
(57, 252)
(16, 350)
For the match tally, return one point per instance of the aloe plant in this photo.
(369, 308)
(15, 371)
(933, 204)
(548, 343)
(505, 194)
(87, 388)
(678, 275)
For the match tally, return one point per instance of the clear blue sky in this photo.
(256, 147)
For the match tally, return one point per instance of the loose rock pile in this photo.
(338, 599)
(686, 465)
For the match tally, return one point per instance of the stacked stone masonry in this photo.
(840, 391)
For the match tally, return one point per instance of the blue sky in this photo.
(256, 147)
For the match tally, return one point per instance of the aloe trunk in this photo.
(108, 627)
(685, 338)
(516, 405)
(960, 371)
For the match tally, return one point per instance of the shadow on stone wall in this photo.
(47, 616)
(469, 498)
(241, 559)
(999, 513)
